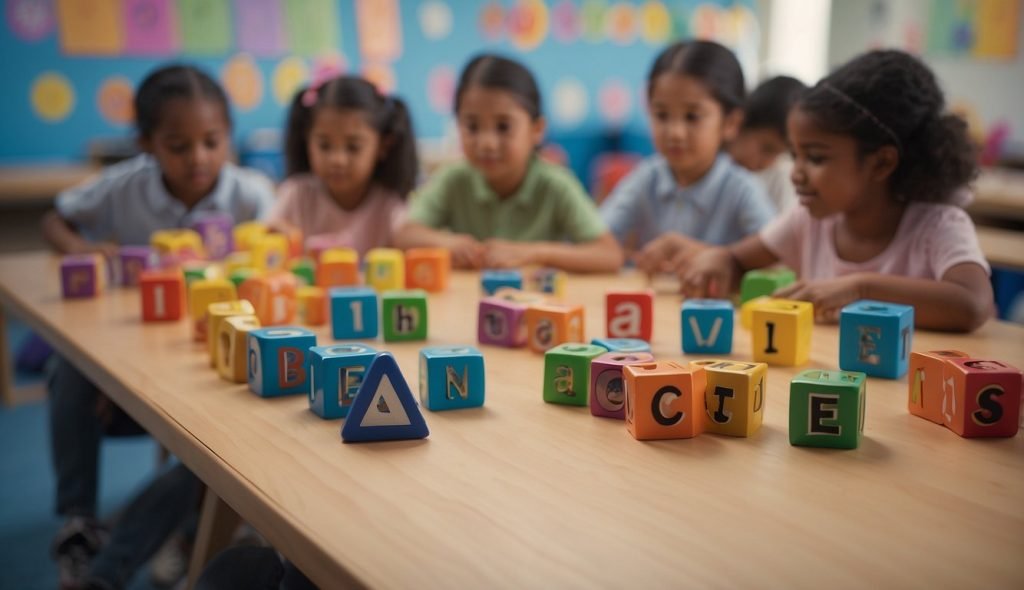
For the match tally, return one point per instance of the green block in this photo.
(567, 373)
(826, 409)
(757, 283)
(305, 270)
(404, 314)
(194, 272)
(239, 275)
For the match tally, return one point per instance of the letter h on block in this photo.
(980, 398)
(405, 315)
(335, 374)
(353, 313)
(277, 360)
(629, 314)
(664, 400)
(875, 338)
(781, 332)
(826, 409)
(607, 394)
(451, 378)
(734, 398)
(707, 326)
(567, 373)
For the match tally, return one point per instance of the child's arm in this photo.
(667, 253)
(467, 251)
(960, 302)
(66, 240)
(716, 272)
(602, 254)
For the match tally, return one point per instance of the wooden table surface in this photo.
(999, 193)
(29, 184)
(524, 494)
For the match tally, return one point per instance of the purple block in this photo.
(80, 275)
(501, 322)
(607, 388)
(132, 260)
(215, 229)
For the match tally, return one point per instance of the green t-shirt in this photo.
(550, 205)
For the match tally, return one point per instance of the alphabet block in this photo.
(272, 295)
(981, 398)
(384, 408)
(277, 360)
(734, 398)
(339, 267)
(237, 260)
(707, 326)
(82, 275)
(629, 314)
(197, 270)
(747, 311)
(925, 383)
(427, 269)
(270, 251)
(826, 409)
(215, 231)
(304, 270)
(216, 313)
(551, 324)
(492, 280)
(385, 269)
(607, 394)
(318, 244)
(405, 315)
(240, 275)
(132, 260)
(311, 307)
(201, 294)
(782, 332)
(622, 344)
(353, 313)
(664, 400)
(764, 282)
(567, 373)
(335, 374)
(451, 378)
(163, 295)
(233, 347)
(181, 244)
(501, 322)
(549, 280)
(246, 234)
(875, 338)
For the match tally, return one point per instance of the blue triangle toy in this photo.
(384, 407)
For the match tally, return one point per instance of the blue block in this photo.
(875, 337)
(451, 378)
(354, 313)
(384, 408)
(622, 344)
(707, 326)
(335, 374)
(492, 280)
(277, 360)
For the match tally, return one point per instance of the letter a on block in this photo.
(384, 407)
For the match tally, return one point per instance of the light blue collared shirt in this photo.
(725, 206)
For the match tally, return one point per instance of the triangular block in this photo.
(384, 407)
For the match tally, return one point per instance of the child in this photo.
(184, 128)
(504, 206)
(761, 145)
(690, 192)
(876, 162)
(351, 159)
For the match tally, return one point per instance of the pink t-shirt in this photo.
(931, 239)
(303, 202)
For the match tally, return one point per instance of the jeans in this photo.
(256, 568)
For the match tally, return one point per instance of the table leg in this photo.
(217, 523)
(6, 369)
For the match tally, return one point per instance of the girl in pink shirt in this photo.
(878, 169)
(351, 161)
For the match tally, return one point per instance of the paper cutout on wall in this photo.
(527, 24)
(592, 17)
(90, 27)
(379, 27)
(30, 20)
(151, 27)
(52, 97)
(381, 76)
(243, 82)
(289, 75)
(205, 26)
(492, 21)
(614, 102)
(441, 89)
(312, 26)
(620, 23)
(260, 27)
(565, 22)
(704, 21)
(570, 103)
(998, 22)
(329, 65)
(435, 20)
(114, 101)
(655, 23)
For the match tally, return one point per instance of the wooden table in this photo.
(1002, 247)
(999, 193)
(524, 494)
(34, 184)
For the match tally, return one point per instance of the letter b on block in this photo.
(567, 373)
(826, 409)
(664, 400)
(707, 326)
(734, 398)
(630, 314)
(451, 378)
(335, 374)
(875, 338)
(277, 360)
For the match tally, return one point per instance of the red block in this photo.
(629, 314)
(163, 295)
(981, 398)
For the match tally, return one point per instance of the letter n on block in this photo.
(981, 398)
(664, 400)
(826, 409)
(277, 360)
(451, 378)
(925, 385)
(734, 398)
(630, 314)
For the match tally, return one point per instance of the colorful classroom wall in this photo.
(77, 61)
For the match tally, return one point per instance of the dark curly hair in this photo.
(889, 97)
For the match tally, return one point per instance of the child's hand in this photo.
(707, 274)
(667, 253)
(107, 249)
(828, 296)
(466, 251)
(508, 254)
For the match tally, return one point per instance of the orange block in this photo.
(272, 296)
(664, 400)
(163, 295)
(312, 306)
(551, 324)
(924, 381)
(427, 269)
(338, 267)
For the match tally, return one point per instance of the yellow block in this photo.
(201, 294)
(747, 310)
(177, 241)
(734, 396)
(232, 347)
(270, 252)
(312, 305)
(217, 313)
(245, 235)
(237, 260)
(782, 332)
(385, 269)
